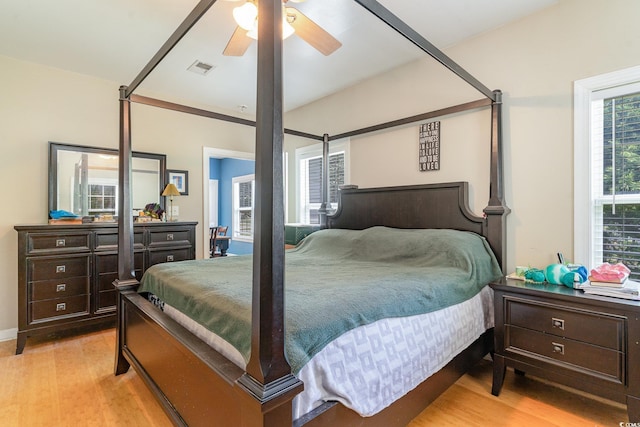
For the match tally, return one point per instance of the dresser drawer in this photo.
(106, 301)
(58, 267)
(59, 307)
(590, 327)
(51, 242)
(109, 241)
(169, 255)
(176, 237)
(107, 268)
(573, 354)
(59, 288)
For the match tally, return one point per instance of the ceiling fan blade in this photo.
(311, 32)
(238, 43)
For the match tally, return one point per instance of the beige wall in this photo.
(534, 62)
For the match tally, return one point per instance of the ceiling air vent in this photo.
(201, 67)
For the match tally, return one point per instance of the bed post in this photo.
(126, 281)
(496, 211)
(268, 386)
(325, 206)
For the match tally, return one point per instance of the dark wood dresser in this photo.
(65, 272)
(587, 342)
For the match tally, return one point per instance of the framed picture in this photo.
(180, 179)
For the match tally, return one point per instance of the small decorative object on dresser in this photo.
(65, 272)
(588, 342)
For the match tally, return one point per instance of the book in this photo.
(607, 284)
(629, 290)
(66, 221)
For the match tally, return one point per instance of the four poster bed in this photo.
(206, 370)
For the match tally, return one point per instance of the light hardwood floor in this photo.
(69, 382)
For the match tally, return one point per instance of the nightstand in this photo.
(587, 342)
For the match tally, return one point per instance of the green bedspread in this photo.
(335, 280)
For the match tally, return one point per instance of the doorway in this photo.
(213, 192)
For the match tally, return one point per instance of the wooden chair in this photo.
(214, 232)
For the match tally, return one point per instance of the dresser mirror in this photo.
(84, 180)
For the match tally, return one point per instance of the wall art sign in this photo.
(429, 147)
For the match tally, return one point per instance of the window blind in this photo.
(617, 207)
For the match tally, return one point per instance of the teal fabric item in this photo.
(534, 275)
(568, 279)
(554, 272)
(335, 280)
(578, 274)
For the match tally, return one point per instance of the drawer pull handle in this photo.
(61, 287)
(60, 243)
(61, 306)
(169, 236)
(558, 348)
(60, 268)
(169, 258)
(557, 323)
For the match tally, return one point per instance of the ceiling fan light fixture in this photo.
(287, 29)
(246, 16)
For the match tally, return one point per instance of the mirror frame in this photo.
(54, 147)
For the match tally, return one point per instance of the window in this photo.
(607, 165)
(243, 201)
(309, 179)
(102, 199)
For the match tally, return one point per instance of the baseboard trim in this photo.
(8, 334)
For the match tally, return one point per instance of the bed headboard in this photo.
(443, 205)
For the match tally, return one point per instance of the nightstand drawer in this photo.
(604, 361)
(589, 327)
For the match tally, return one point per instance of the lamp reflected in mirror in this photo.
(170, 190)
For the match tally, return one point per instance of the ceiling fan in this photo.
(294, 21)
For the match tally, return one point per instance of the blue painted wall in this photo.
(224, 170)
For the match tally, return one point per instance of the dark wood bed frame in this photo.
(195, 384)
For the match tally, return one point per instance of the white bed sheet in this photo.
(369, 367)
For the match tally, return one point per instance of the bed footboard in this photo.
(196, 385)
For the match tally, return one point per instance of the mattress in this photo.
(369, 367)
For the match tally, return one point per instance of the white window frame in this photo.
(585, 92)
(105, 182)
(235, 182)
(304, 154)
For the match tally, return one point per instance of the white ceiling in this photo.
(114, 40)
